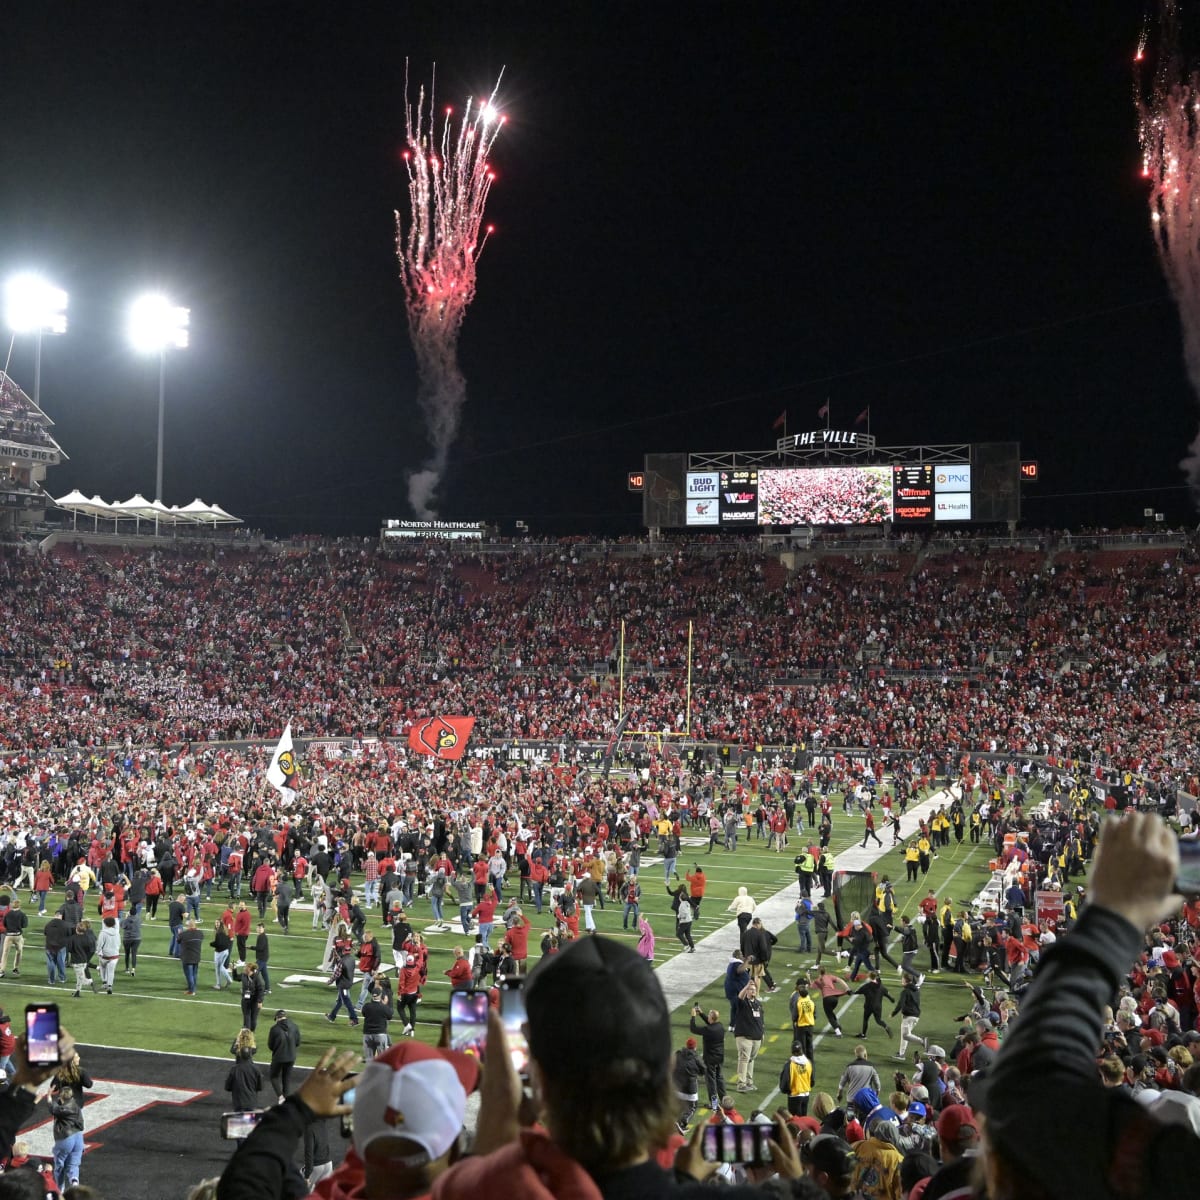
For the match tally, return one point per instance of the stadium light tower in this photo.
(32, 305)
(156, 326)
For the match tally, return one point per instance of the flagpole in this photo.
(828, 413)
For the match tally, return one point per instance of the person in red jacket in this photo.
(459, 974)
(241, 930)
(485, 912)
(408, 988)
(538, 878)
(479, 873)
(518, 936)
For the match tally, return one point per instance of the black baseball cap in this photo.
(601, 986)
(830, 1154)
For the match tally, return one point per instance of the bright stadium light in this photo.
(33, 305)
(156, 326)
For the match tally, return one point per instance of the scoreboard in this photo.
(906, 494)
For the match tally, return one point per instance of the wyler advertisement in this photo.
(739, 497)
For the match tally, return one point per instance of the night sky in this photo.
(706, 214)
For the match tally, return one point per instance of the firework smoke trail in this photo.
(1169, 132)
(448, 183)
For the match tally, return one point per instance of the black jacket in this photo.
(283, 1041)
(686, 1071)
(758, 942)
(909, 1004)
(376, 1015)
(244, 1083)
(253, 988)
(56, 933)
(1111, 1134)
(748, 1022)
(191, 944)
(713, 1041)
(81, 946)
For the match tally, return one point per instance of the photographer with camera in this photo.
(711, 1032)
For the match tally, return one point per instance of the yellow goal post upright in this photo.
(657, 735)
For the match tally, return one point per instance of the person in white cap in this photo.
(408, 1113)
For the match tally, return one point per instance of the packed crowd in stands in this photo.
(1081, 654)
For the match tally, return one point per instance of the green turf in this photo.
(151, 1012)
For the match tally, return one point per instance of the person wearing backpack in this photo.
(795, 1081)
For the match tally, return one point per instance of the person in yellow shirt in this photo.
(797, 1074)
(804, 1015)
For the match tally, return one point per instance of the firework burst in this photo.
(1168, 106)
(449, 178)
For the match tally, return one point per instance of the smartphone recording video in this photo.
(238, 1125)
(744, 1145)
(42, 1032)
(512, 1013)
(468, 1022)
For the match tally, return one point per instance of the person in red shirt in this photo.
(518, 936)
(459, 974)
(538, 877)
(479, 873)
(485, 912)
(697, 882)
(408, 989)
(726, 1113)
(241, 930)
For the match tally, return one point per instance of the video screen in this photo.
(825, 496)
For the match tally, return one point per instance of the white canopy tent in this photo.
(139, 509)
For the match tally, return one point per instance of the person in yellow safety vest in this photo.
(806, 864)
(924, 850)
(912, 859)
(825, 869)
(976, 825)
(946, 925)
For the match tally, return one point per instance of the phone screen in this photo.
(512, 1013)
(347, 1121)
(748, 1144)
(41, 1034)
(1187, 882)
(239, 1125)
(468, 1022)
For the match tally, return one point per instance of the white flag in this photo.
(281, 774)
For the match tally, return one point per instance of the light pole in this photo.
(155, 326)
(31, 305)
